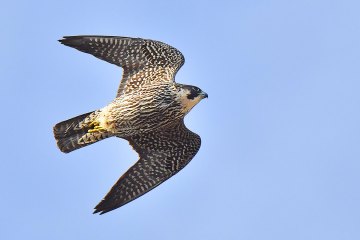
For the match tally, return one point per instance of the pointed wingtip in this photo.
(72, 41)
(100, 209)
(104, 207)
(64, 41)
(100, 212)
(64, 38)
(97, 211)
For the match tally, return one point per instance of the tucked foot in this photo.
(96, 127)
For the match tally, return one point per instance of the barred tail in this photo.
(73, 134)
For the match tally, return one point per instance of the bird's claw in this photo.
(96, 127)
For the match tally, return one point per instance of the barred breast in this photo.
(141, 112)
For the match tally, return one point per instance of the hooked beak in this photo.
(204, 95)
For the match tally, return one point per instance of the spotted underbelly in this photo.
(141, 120)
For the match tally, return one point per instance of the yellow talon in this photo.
(97, 127)
(93, 123)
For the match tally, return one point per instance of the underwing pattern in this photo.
(148, 111)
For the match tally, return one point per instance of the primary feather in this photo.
(148, 111)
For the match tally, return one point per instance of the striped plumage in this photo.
(148, 111)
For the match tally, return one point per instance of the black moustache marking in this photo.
(192, 95)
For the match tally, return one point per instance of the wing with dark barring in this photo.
(161, 155)
(134, 55)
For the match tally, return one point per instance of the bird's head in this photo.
(190, 96)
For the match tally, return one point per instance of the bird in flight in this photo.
(148, 112)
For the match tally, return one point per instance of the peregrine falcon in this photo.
(148, 112)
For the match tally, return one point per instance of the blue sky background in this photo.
(280, 131)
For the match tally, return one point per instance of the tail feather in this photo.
(73, 133)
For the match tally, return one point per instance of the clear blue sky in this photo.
(280, 131)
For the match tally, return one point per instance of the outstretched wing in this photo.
(140, 58)
(162, 155)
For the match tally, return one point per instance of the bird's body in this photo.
(141, 112)
(148, 111)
